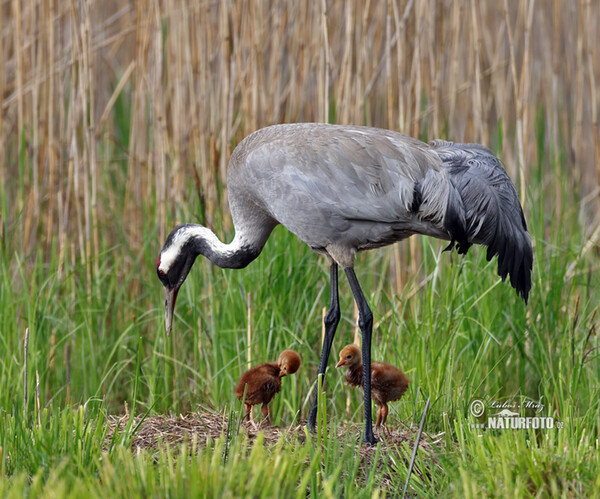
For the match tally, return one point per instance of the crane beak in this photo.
(170, 297)
(340, 363)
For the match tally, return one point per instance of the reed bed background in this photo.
(154, 95)
(118, 119)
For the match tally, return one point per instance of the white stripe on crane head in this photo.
(169, 254)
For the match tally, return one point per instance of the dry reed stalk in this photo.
(436, 51)
(454, 58)
(344, 87)
(324, 66)
(554, 117)
(150, 52)
(477, 99)
(113, 98)
(226, 81)
(34, 56)
(63, 178)
(398, 28)
(51, 215)
(88, 70)
(515, 86)
(277, 92)
(361, 90)
(19, 43)
(398, 265)
(580, 96)
(389, 87)
(592, 71)
(416, 80)
(524, 110)
(80, 178)
(253, 93)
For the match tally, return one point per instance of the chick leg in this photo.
(384, 414)
(265, 411)
(379, 413)
(248, 412)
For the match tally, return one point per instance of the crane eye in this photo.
(161, 272)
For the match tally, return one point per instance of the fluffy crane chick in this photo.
(387, 382)
(261, 383)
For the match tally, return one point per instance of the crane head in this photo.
(174, 263)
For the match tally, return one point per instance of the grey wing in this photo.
(492, 212)
(339, 175)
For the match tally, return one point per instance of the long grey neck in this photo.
(235, 255)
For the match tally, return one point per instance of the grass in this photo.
(118, 122)
(462, 335)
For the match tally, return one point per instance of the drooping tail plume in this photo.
(485, 209)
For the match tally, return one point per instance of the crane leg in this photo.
(332, 318)
(365, 322)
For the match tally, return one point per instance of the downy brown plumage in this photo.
(388, 383)
(261, 383)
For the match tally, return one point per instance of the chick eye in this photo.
(348, 356)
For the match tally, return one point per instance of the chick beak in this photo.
(341, 363)
(170, 297)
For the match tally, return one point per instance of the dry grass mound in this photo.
(158, 430)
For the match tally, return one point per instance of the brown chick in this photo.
(387, 382)
(263, 382)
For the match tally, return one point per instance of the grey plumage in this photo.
(492, 214)
(344, 189)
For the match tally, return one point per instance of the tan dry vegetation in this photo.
(155, 433)
(160, 429)
(193, 78)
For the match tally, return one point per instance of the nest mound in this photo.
(158, 430)
(155, 432)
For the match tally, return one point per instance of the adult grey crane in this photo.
(344, 189)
